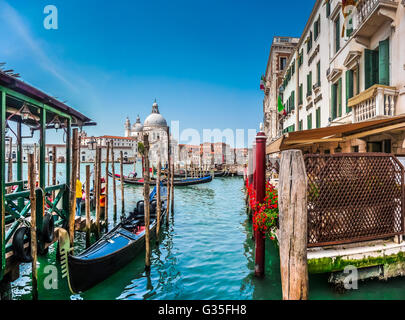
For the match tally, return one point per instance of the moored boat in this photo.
(176, 182)
(115, 249)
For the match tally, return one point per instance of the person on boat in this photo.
(79, 196)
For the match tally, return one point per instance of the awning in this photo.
(340, 133)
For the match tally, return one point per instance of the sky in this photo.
(201, 60)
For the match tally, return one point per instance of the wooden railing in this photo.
(376, 102)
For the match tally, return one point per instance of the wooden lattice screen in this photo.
(354, 197)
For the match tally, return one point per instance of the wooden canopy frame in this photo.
(339, 133)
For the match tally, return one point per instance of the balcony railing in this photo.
(371, 14)
(376, 102)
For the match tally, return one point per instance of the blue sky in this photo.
(201, 60)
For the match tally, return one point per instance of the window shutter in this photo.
(328, 9)
(384, 63)
(340, 97)
(333, 104)
(318, 69)
(368, 68)
(349, 88)
(337, 34)
(293, 99)
(318, 118)
(309, 121)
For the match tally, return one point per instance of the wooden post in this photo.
(106, 184)
(32, 182)
(146, 191)
(78, 157)
(122, 183)
(72, 198)
(98, 189)
(54, 161)
(87, 190)
(260, 194)
(168, 179)
(114, 182)
(158, 199)
(172, 188)
(293, 226)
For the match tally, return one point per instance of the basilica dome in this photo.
(155, 119)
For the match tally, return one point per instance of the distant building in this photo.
(281, 50)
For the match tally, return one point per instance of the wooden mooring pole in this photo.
(72, 195)
(114, 183)
(172, 188)
(146, 191)
(98, 190)
(32, 182)
(53, 169)
(158, 199)
(88, 221)
(260, 194)
(293, 226)
(106, 185)
(122, 184)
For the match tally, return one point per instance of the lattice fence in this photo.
(354, 197)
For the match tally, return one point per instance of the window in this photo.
(336, 102)
(328, 9)
(318, 118)
(301, 58)
(355, 149)
(318, 73)
(349, 88)
(309, 121)
(317, 28)
(283, 63)
(300, 125)
(377, 65)
(337, 34)
(309, 84)
(309, 43)
(300, 96)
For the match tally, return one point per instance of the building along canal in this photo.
(207, 252)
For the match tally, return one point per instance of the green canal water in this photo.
(207, 252)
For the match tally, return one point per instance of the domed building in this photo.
(155, 125)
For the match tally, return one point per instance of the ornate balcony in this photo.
(371, 15)
(376, 102)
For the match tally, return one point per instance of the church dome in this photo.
(155, 119)
(137, 126)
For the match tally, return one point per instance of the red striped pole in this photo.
(260, 183)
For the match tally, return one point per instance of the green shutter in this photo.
(337, 34)
(328, 9)
(371, 65)
(310, 82)
(333, 102)
(349, 88)
(300, 97)
(293, 99)
(384, 63)
(318, 69)
(309, 121)
(318, 118)
(300, 126)
(340, 97)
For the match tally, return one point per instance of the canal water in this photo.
(207, 252)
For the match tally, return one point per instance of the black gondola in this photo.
(115, 249)
(176, 183)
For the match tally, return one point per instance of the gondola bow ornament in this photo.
(64, 250)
